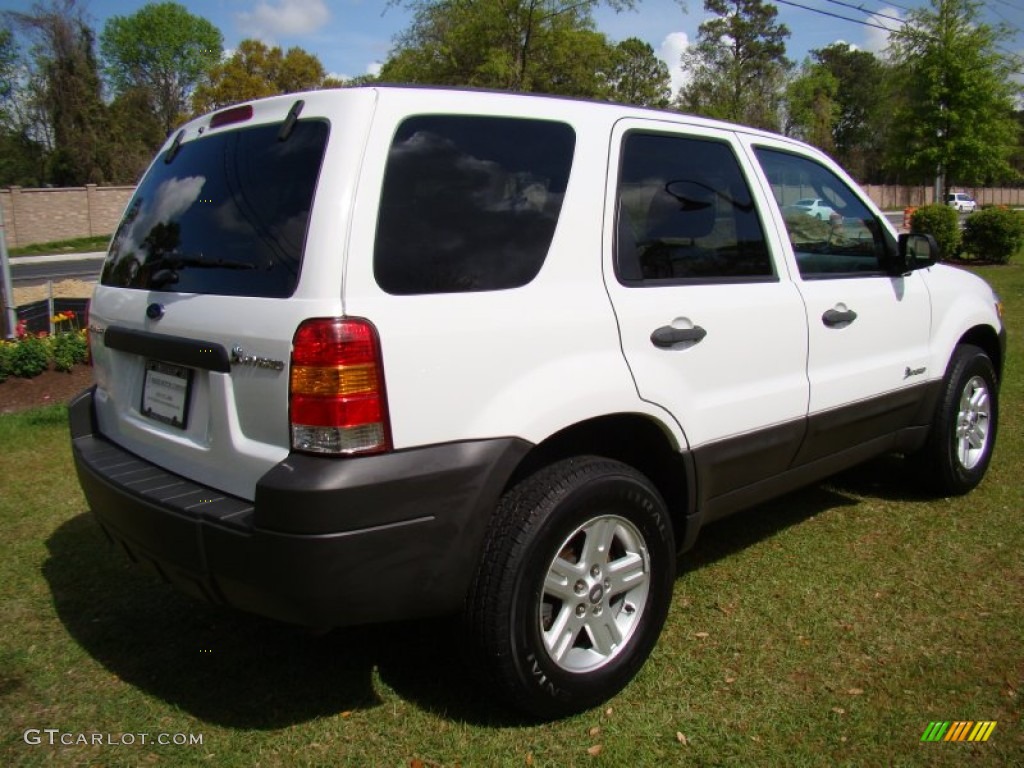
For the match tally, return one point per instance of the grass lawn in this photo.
(826, 628)
(76, 245)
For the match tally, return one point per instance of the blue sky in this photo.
(350, 37)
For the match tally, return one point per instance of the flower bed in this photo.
(29, 354)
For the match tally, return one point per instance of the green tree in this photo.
(299, 70)
(863, 100)
(637, 76)
(1017, 159)
(22, 159)
(738, 66)
(67, 91)
(163, 51)
(254, 71)
(136, 132)
(570, 60)
(811, 106)
(956, 117)
(517, 45)
(8, 69)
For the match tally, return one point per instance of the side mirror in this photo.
(915, 251)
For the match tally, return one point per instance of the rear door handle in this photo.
(667, 336)
(835, 318)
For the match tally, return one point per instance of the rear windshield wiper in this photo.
(166, 267)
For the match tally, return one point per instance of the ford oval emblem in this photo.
(155, 311)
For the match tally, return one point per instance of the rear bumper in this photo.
(327, 542)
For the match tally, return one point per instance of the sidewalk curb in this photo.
(58, 257)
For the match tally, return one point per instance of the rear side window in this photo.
(226, 215)
(685, 213)
(470, 203)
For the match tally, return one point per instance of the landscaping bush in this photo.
(6, 348)
(994, 234)
(69, 350)
(29, 357)
(30, 354)
(942, 223)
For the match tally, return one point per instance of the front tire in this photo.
(573, 586)
(963, 431)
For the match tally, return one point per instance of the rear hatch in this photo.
(202, 290)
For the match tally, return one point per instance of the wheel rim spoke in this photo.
(626, 573)
(594, 593)
(599, 540)
(973, 423)
(560, 579)
(605, 633)
(563, 633)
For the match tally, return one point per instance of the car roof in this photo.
(484, 98)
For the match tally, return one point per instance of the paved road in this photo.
(37, 269)
(895, 218)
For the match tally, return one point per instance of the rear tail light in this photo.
(337, 398)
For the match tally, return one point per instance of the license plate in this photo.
(165, 393)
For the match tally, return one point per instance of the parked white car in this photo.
(961, 201)
(381, 353)
(815, 207)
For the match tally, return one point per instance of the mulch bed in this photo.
(49, 388)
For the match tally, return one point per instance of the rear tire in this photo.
(573, 586)
(963, 432)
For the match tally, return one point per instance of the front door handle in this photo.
(835, 318)
(667, 336)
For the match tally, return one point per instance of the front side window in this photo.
(832, 232)
(224, 214)
(470, 203)
(685, 212)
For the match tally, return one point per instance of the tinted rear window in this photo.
(470, 203)
(228, 215)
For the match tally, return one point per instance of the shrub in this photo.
(69, 350)
(6, 349)
(994, 234)
(942, 223)
(30, 354)
(29, 357)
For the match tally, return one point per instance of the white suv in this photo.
(382, 353)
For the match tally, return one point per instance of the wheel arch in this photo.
(634, 439)
(985, 337)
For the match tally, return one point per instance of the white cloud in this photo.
(877, 40)
(671, 52)
(175, 196)
(285, 18)
(374, 67)
(172, 198)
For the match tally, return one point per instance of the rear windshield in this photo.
(227, 215)
(470, 203)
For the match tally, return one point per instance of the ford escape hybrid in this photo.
(384, 353)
